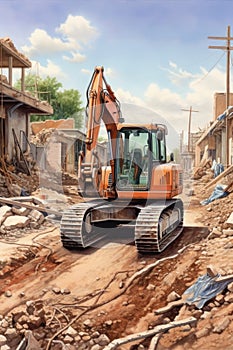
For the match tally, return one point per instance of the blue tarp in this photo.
(219, 192)
(205, 289)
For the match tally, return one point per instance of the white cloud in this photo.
(78, 29)
(51, 69)
(43, 44)
(73, 35)
(178, 75)
(75, 57)
(127, 98)
(168, 104)
(86, 71)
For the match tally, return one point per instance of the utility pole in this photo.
(190, 110)
(227, 48)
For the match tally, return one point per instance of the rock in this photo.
(8, 294)
(103, 340)
(11, 333)
(219, 298)
(96, 334)
(202, 333)
(4, 323)
(5, 211)
(96, 347)
(15, 221)
(71, 331)
(230, 220)
(3, 340)
(228, 232)
(13, 338)
(68, 339)
(21, 211)
(108, 323)
(88, 323)
(230, 287)
(86, 338)
(150, 287)
(121, 284)
(222, 325)
(56, 290)
(36, 216)
(173, 296)
(5, 347)
(229, 298)
(65, 291)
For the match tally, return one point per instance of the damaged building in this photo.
(16, 106)
(216, 143)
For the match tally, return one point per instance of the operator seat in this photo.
(137, 162)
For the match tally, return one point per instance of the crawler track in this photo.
(157, 226)
(148, 238)
(72, 229)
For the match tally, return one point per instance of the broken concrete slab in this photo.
(15, 221)
(36, 216)
(230, 220)
(5, 211)
(21, 211)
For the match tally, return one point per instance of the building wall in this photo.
(52, 124)
(17, 120)
(220, 103)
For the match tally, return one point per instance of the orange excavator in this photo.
(136, 186)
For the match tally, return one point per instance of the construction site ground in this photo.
(112, 290)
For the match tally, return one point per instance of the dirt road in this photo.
(37, 267)
(88, 298)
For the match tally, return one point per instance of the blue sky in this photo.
(155, 53)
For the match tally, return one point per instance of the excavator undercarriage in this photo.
(156, 225)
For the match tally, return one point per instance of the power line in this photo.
(210, 70)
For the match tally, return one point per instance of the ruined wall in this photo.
(52, 124)
(220, 103)
(18, 121)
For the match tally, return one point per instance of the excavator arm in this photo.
(102, 105)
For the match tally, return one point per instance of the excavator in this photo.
(135, 186)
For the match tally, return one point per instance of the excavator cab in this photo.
(139, 150)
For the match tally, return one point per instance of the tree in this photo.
(66, 103)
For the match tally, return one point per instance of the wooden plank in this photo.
(29, 206)
(146, 334)
(220, 176)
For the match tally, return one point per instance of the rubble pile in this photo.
(216, 213)
(38, 318)
(42, 137)
(12, 219)
(201, 171)
(214, 318)
(13, 183)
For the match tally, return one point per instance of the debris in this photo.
(201, 170)
(29, 342)
(15, 221)
(217, 168)
(154, 342)
(17, 202)
(206, 288)
(142, 335)
(220, 191)
(230, 220)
